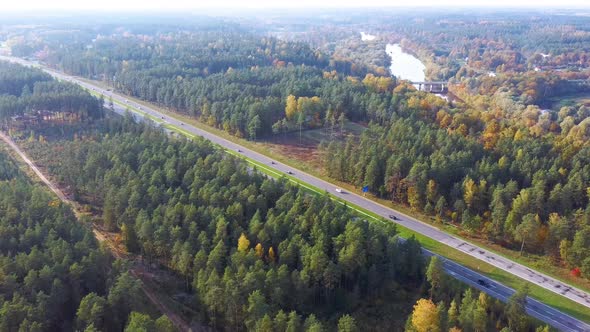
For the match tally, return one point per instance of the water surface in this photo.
(404, 65)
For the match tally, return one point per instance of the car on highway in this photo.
(239, 150)
(483, 282)
(393, 217)
(272, 162)
(289, 172)
(338, 190)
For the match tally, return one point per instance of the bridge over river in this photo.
(432, 86)
(442, 86)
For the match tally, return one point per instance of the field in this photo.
(570, 100)
(303, 149)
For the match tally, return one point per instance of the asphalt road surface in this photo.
(543, 312)
(551, 316)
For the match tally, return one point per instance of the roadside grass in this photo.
(540, 263)
(561, 303)
(539, 293)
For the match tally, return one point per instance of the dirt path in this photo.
(28, 161)
(100, 235)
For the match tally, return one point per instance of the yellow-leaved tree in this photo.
(271, 254)
(243, 243)
(291, 107)
(425, 316)
(259, 250)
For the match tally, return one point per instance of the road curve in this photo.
(525, 273)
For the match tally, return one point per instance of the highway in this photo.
(545, 313)
(534, 308)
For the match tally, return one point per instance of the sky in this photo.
(171, 5)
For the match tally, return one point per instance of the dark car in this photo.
(483, 282)
(393, 217)
(289, 172)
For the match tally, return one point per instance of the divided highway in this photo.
(543, 312)
(539, 310)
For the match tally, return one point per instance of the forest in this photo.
(530, 54)
(233, 81)
(448, 307)
(492, 161)
(35, 93)
(54, 276)
(246, 245)
(518, 179)
(253, 253)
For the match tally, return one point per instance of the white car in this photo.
(338, 190)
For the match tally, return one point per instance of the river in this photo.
(404, 65)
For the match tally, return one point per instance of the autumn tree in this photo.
(243, 243)
(291, 107)
(425, 317)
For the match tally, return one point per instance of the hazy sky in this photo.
(195, 4)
